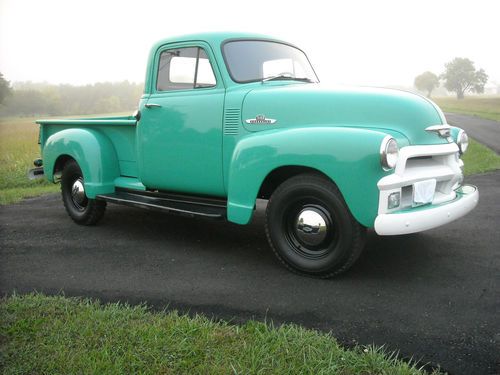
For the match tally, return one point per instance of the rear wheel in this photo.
(81, 209)
(310, 228)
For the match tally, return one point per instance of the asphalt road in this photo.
(482, 130)
(433, 295)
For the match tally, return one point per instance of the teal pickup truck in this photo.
(226, 119)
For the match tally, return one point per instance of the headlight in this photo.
(462, 141)
(389, 153)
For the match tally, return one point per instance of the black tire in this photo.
(316, 250)
(81, 209)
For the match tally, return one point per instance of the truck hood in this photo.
(293, 105)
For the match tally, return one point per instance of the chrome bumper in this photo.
(35, 173)
(427, 217)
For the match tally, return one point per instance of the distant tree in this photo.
(5, 89)
(42, 98)
(461, 76)
(26, 103)
(108, 104)
(427, 81)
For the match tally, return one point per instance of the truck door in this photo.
(180, 131)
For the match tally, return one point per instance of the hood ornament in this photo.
(444, 131)
(260, 119)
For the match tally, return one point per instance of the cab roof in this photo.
(213, 38)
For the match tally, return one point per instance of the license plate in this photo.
(423, 192)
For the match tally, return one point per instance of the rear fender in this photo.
(94, 153)
(350, 157)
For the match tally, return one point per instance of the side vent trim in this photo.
(232, 120)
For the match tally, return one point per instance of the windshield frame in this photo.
(223, 44)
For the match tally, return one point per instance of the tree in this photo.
(5, 89)
(461, 76)
(108, 104)
(427, 81)
(29, 99)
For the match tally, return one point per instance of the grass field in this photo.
(482, 106)
(480, 159)
(18, 148)
(57, 335)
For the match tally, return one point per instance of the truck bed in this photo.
(120, 130)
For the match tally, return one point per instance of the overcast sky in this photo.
(379, 42)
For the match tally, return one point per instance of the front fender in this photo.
(348, 156)
(94, 153)
(454, 133)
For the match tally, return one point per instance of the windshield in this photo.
(258, 60)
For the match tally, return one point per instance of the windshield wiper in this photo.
(286, 77)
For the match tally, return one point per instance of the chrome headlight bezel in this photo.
(389, 153)
(462, 141)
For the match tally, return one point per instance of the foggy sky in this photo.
(383, 42)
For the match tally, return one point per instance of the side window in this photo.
(184, 69)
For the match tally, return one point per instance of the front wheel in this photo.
(310, 228)
(79, 207)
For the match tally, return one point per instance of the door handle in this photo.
(152, 105)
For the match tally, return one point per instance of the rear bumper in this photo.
(428, 217)
(35, 173)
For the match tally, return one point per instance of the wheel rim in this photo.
(310, 229)
(78, 194)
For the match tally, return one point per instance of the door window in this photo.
(184, 69)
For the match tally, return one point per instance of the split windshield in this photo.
(258, 60)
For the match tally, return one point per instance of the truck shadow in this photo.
(389, 257)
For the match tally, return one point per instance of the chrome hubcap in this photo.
(311, 227)
(78, 192)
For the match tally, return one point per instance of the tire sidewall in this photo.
(289, 193)
(70, 174)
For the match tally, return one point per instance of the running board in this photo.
(182, 207)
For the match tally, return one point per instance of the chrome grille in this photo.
(419, 163)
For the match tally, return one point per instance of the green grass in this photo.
(480, 159)
(57, 335)
(482, 106)
(18, 148)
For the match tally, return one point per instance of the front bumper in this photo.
(428, 217)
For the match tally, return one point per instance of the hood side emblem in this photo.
(444, 131)
(260, 119)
